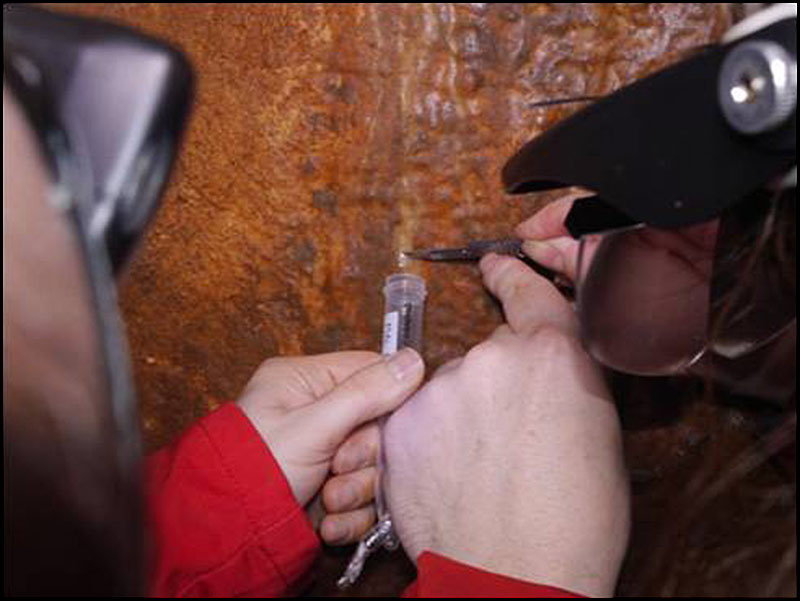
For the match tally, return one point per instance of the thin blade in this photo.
(472, 252)
(440, 254)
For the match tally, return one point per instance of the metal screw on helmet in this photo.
(757, 86)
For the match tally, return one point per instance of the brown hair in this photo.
(728, 526)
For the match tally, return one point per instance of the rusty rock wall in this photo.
(326, 138)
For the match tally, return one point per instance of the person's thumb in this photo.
(529, 300)
(367, 394)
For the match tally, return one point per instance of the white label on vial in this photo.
(391, 321)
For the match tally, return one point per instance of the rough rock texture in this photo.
(326, 138)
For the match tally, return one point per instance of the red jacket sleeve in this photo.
(439, 576)
(225, 523)
(223, 517)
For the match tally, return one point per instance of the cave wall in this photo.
(325, 139)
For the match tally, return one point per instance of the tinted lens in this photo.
(643, 296)
(652, 301)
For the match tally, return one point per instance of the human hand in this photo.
(643, 293)
(546, 240)
(315, 415)
(510, 458)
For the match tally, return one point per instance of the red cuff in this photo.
(439, 576)
(223, 515)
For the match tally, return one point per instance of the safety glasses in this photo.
(654, 301)
(688, 151)
(109, 105)
(106, 106)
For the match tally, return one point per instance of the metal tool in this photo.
(381, 535)
(559, 101)
(471, 252)
(476, 249)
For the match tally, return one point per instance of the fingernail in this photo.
(405, 364)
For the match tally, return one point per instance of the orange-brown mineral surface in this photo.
(326, 138)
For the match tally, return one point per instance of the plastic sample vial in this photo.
(404, 306)
(403, 310)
